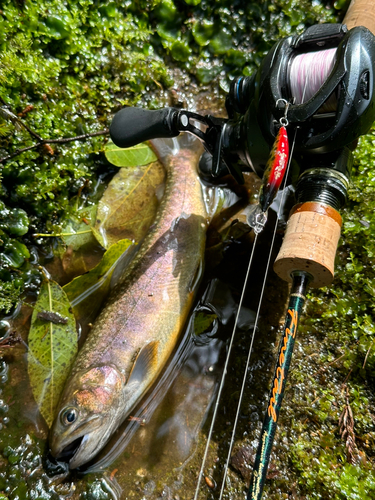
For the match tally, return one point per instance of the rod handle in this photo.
(361, 13)
(130, 126)
(310, 243)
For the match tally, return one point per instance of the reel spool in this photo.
(344, 86)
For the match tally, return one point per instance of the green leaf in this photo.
(180, 51)
(203, 321)
(207, 74)
(87, 292)
(168, 33)
(129, 204)
(221, 42)
(53, 345)
(340, 4)
(141, 154)
(235, 57)
(77, 232)
(203, 31)
(98, 236)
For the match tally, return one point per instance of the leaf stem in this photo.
(58, 235)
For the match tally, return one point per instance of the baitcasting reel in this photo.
(335, 108)
(330, 112)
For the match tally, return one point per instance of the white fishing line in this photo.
(307, 74)
(224, 373)
(255, 326)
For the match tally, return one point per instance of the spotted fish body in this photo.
(275, 169)
(139, 326)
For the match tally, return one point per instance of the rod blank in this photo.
(296, 302)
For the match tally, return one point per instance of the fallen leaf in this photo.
(129, 204)
(81, 249)
(52, 347)
(87, 292)
(75, 263)
(78, 231)
(243, 461)
(98, 236)
(140, 154)
(202, 322)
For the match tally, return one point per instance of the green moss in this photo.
(10, 292)
(64, 68)
(349, 313)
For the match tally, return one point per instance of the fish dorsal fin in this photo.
(143, 364)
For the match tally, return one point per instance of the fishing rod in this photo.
(328, 114)
(307, 254)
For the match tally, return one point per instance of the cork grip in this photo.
(361, 13)
(310, 243)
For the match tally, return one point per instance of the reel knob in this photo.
(130, 126)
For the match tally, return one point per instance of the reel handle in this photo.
(130, 126)
(361, 13)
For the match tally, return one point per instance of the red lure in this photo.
(275, 169)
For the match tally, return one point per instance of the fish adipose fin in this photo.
(143, 364)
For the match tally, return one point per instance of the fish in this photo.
(140, 324)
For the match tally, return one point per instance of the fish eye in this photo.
(69, 416)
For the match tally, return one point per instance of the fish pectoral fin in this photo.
(143, 364)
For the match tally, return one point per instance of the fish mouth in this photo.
(67, 453)
(75, 448)
(86, 449)
(76, 452)
(82, 449)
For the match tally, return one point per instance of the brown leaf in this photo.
(78, 262)
(129, 204)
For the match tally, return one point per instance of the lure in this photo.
(271, 181)
(275, 169)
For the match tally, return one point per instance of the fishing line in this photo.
(201, 472)
(255, 325)
(307, 74)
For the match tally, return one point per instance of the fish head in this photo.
(89, 411)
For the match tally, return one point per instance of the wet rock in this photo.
(242, 461)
